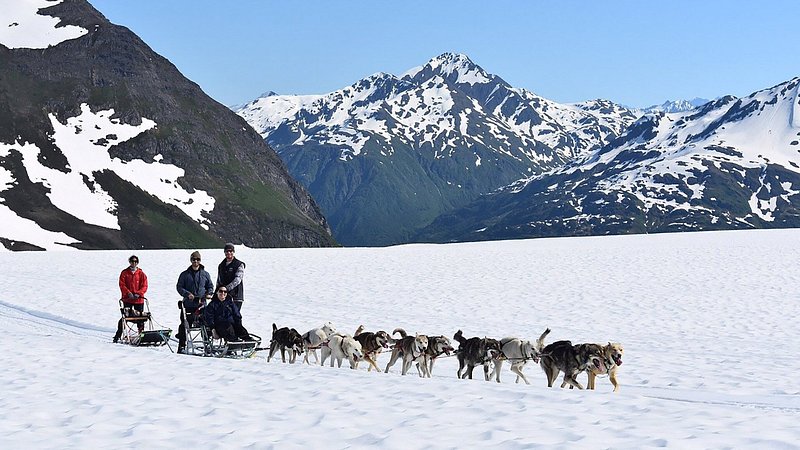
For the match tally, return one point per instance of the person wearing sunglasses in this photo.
(222, 315)
(133, 286)
(194, 285)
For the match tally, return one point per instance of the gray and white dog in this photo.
(315, 338)
(410, 348)
(437, 346)
(518, 353)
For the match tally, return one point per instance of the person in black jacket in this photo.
(230, 274)
(222, 315)
(194, 285)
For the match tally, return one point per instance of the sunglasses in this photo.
(195, 259)
(133, 261)
(229, 251)
(222, 291)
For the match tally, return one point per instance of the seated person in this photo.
(222, 316)
(133, 286)
(194, 285)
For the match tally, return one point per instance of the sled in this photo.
(202, 341)
(149, 336)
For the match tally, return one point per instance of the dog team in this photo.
(423, 350)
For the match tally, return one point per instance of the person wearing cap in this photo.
(194, 285)
(230, 274)
(133, 286)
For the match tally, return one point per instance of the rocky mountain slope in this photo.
(388, 154)
(104, 144)
(732, 163)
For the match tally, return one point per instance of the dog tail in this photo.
(274, 327)
(459, 336)
(400, 331)
(540, 341)
(359, 330)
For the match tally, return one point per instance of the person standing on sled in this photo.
(222, 315)
(194, 285)
(230, 274)
(133, 286)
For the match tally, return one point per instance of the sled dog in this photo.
(562, 356)
(518, 353)
(372, 344)
(612, 356)
(475, 351)
(410, 348)
(313, 339)
(285, 338)
(340, 347)
(437, 346)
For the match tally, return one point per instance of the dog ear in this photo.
(274, 327)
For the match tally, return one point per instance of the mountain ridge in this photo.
(109, 77)
(440, 134)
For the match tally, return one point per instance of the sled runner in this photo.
(202, 341)
(138, 327)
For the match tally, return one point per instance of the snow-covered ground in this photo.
(708, 321)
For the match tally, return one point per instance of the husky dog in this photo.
(518, 353)
(341, 347)
(437, 346)
(474, 351)
(612, 357)
(285, 338)
(411, 348)
(372, 344)
(315, 338)
(562, 356)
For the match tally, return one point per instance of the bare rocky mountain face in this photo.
(105, 144)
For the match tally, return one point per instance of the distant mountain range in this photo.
(388, 154)
(732, 163)
(674, 106)
(104, 144)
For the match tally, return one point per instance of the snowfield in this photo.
(708, 321)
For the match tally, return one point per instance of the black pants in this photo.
(140, 325)
(230, 332)
(190, 319)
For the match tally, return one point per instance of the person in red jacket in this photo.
(133, 286)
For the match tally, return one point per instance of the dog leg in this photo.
(373, 363)
(430, 367)
(392, 360)
(406, 365)
(283, 354)
(497, 366)
(612, 376)
(272, 348)
(517, 369)
(326, 352)
(590, 379)
(572, 381)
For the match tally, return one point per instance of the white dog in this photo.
(316, 338)
(341, 347)
(518, 353)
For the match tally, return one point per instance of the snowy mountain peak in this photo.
(455, 68)
(455, 129)
(24, 24)
(673, 106)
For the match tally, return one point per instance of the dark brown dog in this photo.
(372, 344)
(475, 351)
(285, 338)
(562, 356)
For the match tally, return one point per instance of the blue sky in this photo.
(636, 53)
